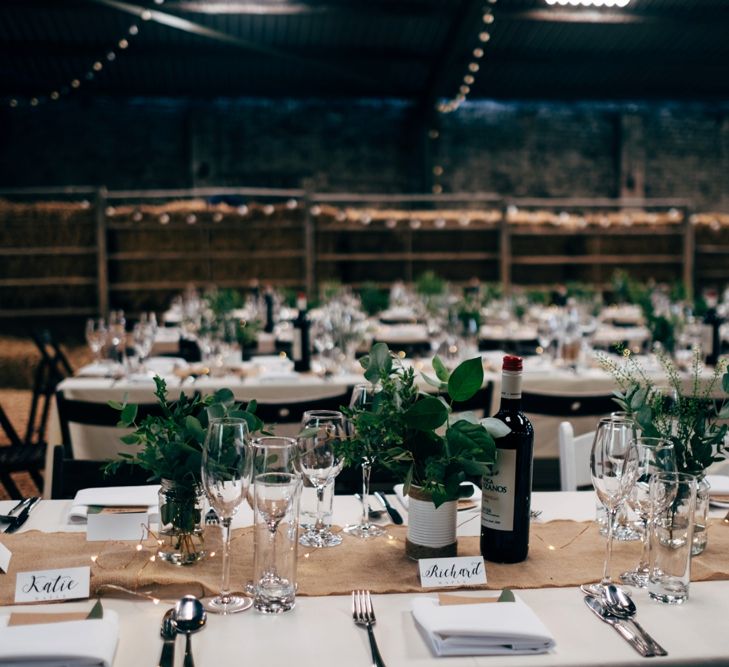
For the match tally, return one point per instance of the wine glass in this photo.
(271, 454)
(96, 336)
(655, 455)
(362, 398)
(320, 462)
(225, 472)
(614, 469)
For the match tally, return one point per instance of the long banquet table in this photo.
(320, 631)
(540, 376)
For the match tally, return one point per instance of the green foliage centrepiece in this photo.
(685, 412)
(170, 444)
(415, 434)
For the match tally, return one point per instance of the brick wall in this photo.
(520, 148)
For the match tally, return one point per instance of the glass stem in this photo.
(225, 584)
(644, 552)
(319, 525)
(366, 469)
(612, 514)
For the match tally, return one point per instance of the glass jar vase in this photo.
(180, 524)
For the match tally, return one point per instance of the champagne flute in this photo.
(655, 455)
(225, 472)
(320, 462)
(614, 469)
(362, 398)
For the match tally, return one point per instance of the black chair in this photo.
(71, 475)
(53, 368)
(291, 412)
(545, 476)
(563, 405)
(88, 413)
(19, 456)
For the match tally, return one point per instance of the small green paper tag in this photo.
(97, 611)
(507, 596)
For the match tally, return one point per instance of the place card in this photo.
(447, 572)
(5, 555)
(71, 583)
(115, 524)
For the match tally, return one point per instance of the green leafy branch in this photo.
(415, 434)
(169, 445)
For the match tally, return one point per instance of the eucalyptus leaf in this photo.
(427, 414)
(441, 372)
(128, 414)
(434, 382)
(466, 380)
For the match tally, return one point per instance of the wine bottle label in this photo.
(296, 347)
(510, 385)
(497, 503)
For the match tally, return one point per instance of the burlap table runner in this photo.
(561, 553)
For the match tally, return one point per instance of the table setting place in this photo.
(244, 528)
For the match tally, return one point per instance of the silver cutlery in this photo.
(12, 514)
(373, 514)
(364, 614)
(168, 631)
(394, 514)
(189, 617)
(599, 608)
(22, 517)
(621, 604)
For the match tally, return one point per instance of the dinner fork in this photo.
(364, 614)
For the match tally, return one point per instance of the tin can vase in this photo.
(431, 529)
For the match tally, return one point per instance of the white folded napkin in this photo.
(499, 628)
(114, 496)
(88, 643)
(101, 370)
(164, 365)
(475, 498)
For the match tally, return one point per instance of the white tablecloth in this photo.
(320, 631)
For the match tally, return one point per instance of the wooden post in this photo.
(102, 260)
(309, 244)
(505, 252)
(689, 253)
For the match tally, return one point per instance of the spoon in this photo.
(189, 617)
(168, 631)
(621, 605)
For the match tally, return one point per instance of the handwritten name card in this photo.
(4, 558)
(44, 585)
(445, 572)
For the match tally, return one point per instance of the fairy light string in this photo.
(95, 69)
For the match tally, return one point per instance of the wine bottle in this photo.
(506, 498)
(301, 348)
(269, 325)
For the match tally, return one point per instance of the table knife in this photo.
(23, 516)
(600, 610)
(394, 514)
